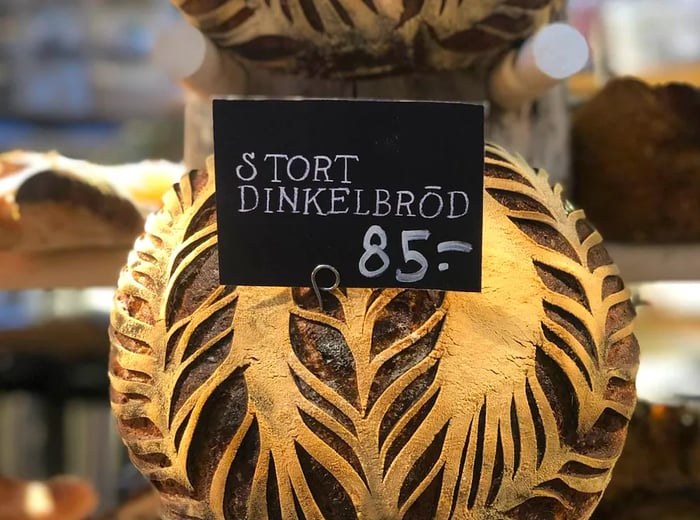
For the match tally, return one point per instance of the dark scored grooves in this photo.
(371, 406)
(315, 37)
(607, 435)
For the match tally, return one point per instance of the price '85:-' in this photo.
(375, 242)
(390, 194)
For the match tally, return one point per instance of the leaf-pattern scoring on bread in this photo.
(251, 402)
(366, 37)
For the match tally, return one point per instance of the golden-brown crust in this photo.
(8, 167)
(250, 402)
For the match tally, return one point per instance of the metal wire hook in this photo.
(318, 289)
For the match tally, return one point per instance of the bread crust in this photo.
(251, 402)
(345, 39)
(49, 202)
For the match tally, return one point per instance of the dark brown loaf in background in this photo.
(45, 205)
(49, 202)
(658, 474)
(636, 159)
(61, 211)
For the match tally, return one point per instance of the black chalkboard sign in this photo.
(389, 193)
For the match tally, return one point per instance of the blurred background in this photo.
(77, 76)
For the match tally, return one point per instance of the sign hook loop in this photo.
(314, 282)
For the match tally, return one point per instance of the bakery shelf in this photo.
(652, 262)
(76, 269)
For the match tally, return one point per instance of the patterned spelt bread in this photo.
(357, 38)
(251, 402)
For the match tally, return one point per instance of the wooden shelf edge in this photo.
(75, 269)
(656, 262)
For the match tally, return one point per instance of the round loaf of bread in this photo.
(253, 403)
(640, 182)
(341, 38)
